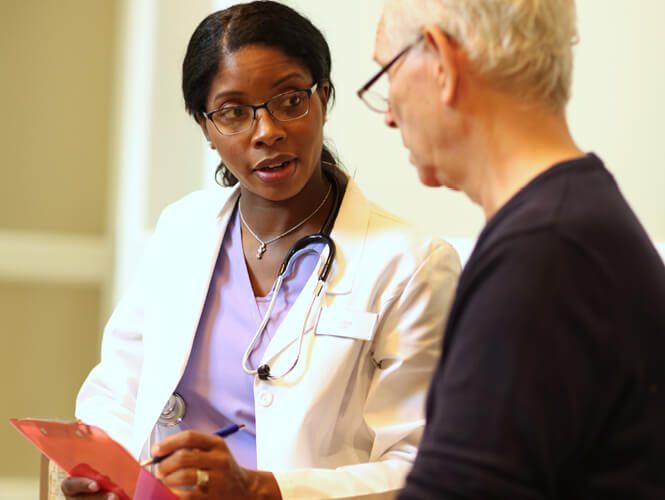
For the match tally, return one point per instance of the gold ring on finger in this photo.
(202, 478)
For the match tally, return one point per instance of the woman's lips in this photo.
(276, 172)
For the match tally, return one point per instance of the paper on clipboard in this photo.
(87, 451)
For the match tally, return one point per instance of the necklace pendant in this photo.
(260, 251)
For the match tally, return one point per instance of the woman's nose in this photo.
(268, 130)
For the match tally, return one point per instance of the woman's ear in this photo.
(446, 70)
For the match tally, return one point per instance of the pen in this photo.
(223, 432)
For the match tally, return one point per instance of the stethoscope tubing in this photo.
(263, 371)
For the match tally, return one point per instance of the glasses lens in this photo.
(233, 119)
(375, 96)
(290, 106)
(376, 101)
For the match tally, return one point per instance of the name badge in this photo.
(337, 322)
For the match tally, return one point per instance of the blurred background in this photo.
(94, 142)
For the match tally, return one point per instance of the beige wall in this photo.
(176, 154)
(49, 344)
(55, 95)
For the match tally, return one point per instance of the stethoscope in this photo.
(175, 408)
(323, 236)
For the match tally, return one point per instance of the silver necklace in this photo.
(262, 247)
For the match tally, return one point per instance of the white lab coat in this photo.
(338, 426)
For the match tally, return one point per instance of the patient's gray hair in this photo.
(520, 46)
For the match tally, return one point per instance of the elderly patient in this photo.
(329, 382)
(551, 384)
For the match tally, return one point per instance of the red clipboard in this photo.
(87, 451)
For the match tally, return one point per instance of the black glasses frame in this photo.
(255, 108)
(383, 70)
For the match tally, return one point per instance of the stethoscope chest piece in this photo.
(263, 372)
(173, 411)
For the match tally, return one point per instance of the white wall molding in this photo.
(131, 136)
(50, 257)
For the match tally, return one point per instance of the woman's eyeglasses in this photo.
(286, 107)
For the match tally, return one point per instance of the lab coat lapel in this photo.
(207, 241)
(349, 234)
(194, 279)
(181, 306)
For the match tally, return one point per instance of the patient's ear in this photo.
(447, 68)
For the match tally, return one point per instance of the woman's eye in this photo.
(294, 100)
(232, 113)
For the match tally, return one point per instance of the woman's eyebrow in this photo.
(277, 83)
(295, 74)
(226, 93)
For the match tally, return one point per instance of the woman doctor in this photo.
(331, 390)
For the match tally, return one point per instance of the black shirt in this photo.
(552, 380)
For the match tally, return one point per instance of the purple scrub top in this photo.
(215, 388)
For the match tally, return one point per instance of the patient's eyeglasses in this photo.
(375, 100)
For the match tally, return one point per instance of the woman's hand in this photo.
(204, 463)
(82, 487)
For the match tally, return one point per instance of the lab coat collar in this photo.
(349, 234)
